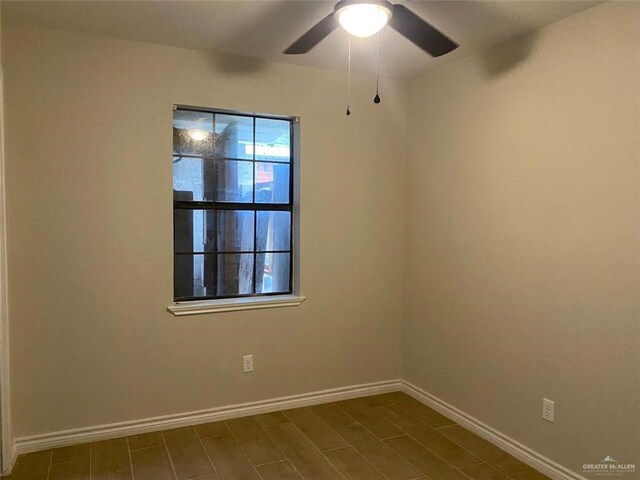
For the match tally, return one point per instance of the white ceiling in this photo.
(263, 28)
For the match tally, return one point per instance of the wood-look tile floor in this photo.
(382, 437)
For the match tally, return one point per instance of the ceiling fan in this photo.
(363, 18)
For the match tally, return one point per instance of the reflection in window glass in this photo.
(272, 272)
(235, 274)
(273, 140)
(193, 276)
(274, 231)
(193, 179)
(233, 204)
(272, 183)
(234, 181)
(213, 230)
(194, 231)
(193, 133)
(234, 137)
(235, 230)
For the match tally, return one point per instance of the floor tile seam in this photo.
(452, 441)
(354, 448)
(265, 430)
(314, 446)
(166, 449)
(50, 464)
(201, 440)
(130, 459)
(235, 439)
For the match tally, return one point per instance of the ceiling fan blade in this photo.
(411, 26)
(314, 36)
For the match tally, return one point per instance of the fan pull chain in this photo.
(376, 99)
(349, 78)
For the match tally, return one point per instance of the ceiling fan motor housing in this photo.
(364, 18)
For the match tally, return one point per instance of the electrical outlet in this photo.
(247, 363)
(548, 409)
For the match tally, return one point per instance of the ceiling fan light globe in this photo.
(363, 19)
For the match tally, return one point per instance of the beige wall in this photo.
(90, 233)
(522, 241)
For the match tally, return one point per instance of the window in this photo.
(233, 204)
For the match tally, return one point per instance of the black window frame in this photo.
(242, 206)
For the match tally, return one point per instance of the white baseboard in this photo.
(134, 427)
(13, 455)
(516, 449)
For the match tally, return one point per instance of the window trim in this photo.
(268, 300)
(197, 307)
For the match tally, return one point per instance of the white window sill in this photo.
(234, 304)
